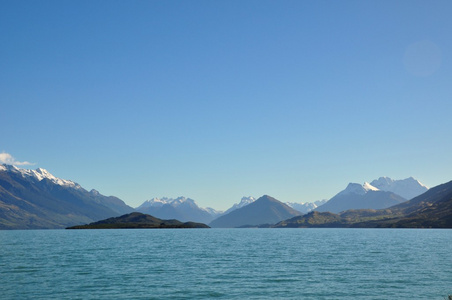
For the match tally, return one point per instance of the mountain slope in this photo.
(357, 196)
(32, 199)
(265, 210)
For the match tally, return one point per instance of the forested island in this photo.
(138, 220)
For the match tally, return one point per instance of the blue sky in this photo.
(216, 100)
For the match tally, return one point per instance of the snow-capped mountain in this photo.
(38, 199)
(39, 174)
(305, 207)
(181, 208)
(157, 202)
(175, 202)
(407, 188)
(357, 196)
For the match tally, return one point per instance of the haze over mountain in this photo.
(182, 208)
(265, 210)
(368, 196)
(32, 199)
(306, 207)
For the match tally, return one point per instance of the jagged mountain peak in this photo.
(158, 202)
(39, 174)
(387, 181)
(408, 188)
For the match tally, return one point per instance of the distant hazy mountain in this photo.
(357, 196)
(432, 209)
(181, 208)
(32, 199)
(407, 188)
(265, 210)
(306, 207)
(243, 202)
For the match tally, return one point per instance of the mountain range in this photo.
(380, 193)
(432, 209)
(186, 209)
(37, 199)
(181, 208)
(33, 199)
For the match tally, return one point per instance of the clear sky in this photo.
(215, 100)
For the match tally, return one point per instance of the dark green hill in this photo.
(433, 209)
(138, 220)
(265, 210)
(313, 219)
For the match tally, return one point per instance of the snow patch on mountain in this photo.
(359, 189)
(40, 174)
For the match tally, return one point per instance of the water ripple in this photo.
(226, 263)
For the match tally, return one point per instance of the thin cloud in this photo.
(6, 158)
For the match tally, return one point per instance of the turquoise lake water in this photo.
(226, 263)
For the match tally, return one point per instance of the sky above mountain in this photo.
(217, 100)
